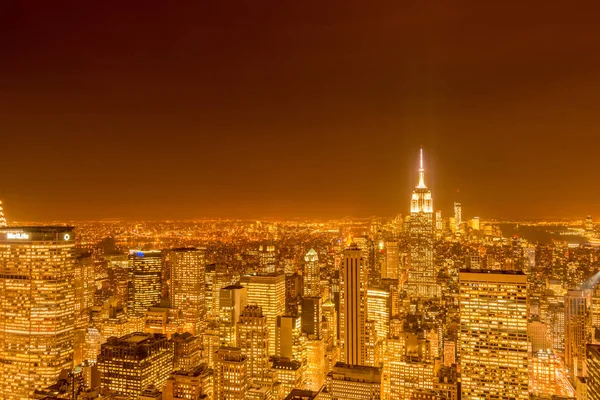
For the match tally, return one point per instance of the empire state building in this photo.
(421, 275)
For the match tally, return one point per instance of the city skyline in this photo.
(294, 201)
(418, 183)
(217, 108)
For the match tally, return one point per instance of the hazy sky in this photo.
(258, 109)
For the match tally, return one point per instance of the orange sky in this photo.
(298, 109)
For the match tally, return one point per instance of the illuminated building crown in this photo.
(421, 198)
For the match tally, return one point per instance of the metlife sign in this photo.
(17, 235)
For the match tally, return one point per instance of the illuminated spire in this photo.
(2, 219)
(349, 240)
(421, 172)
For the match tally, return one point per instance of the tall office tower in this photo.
(85, 283)
(187, 287)
(330, 334)
(379, 306)
(355, 382)
(187, 351)
(589, 226)
(458, 216)
(439, 223)
(267, 291)
(475, 224)
(231, 374)
(312, 276)
(421, 275)
(218, 276)
(132, 362)
(392, 260)
(145, 281)
(253, 340)
(210, 343)
(267, 258)
(353, 304)
(212, 312)
(576, 328)
(556, 318)
(311, 316)
(289, 337)
(37, 316)
(190, 384)
(593, 371)
(232, 301)
(493, 334)
(314, 375)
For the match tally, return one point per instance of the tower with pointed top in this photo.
(421, 275)
(312, 279)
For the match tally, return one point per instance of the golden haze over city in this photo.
(299, 201)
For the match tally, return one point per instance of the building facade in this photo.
(353, 304)
(493, 334)
(131, 363)
(37, 307)
(268, 292)
(145, 281)
(187, 288)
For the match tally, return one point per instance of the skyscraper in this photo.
(493, 334)
(439, 223)
(188, 286)
(268, 292)
(392, 260)
(144, 288)
(379, 306)
(312, 278)
(311, 316)
(253, 340)
(353, 304)
(289, 338)
(267, 258)
(576, 328)
(233, 300)
(36, 307)
(85, 284)
(458, 216)
(422, 274)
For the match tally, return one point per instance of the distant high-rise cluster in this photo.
(411, 307)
